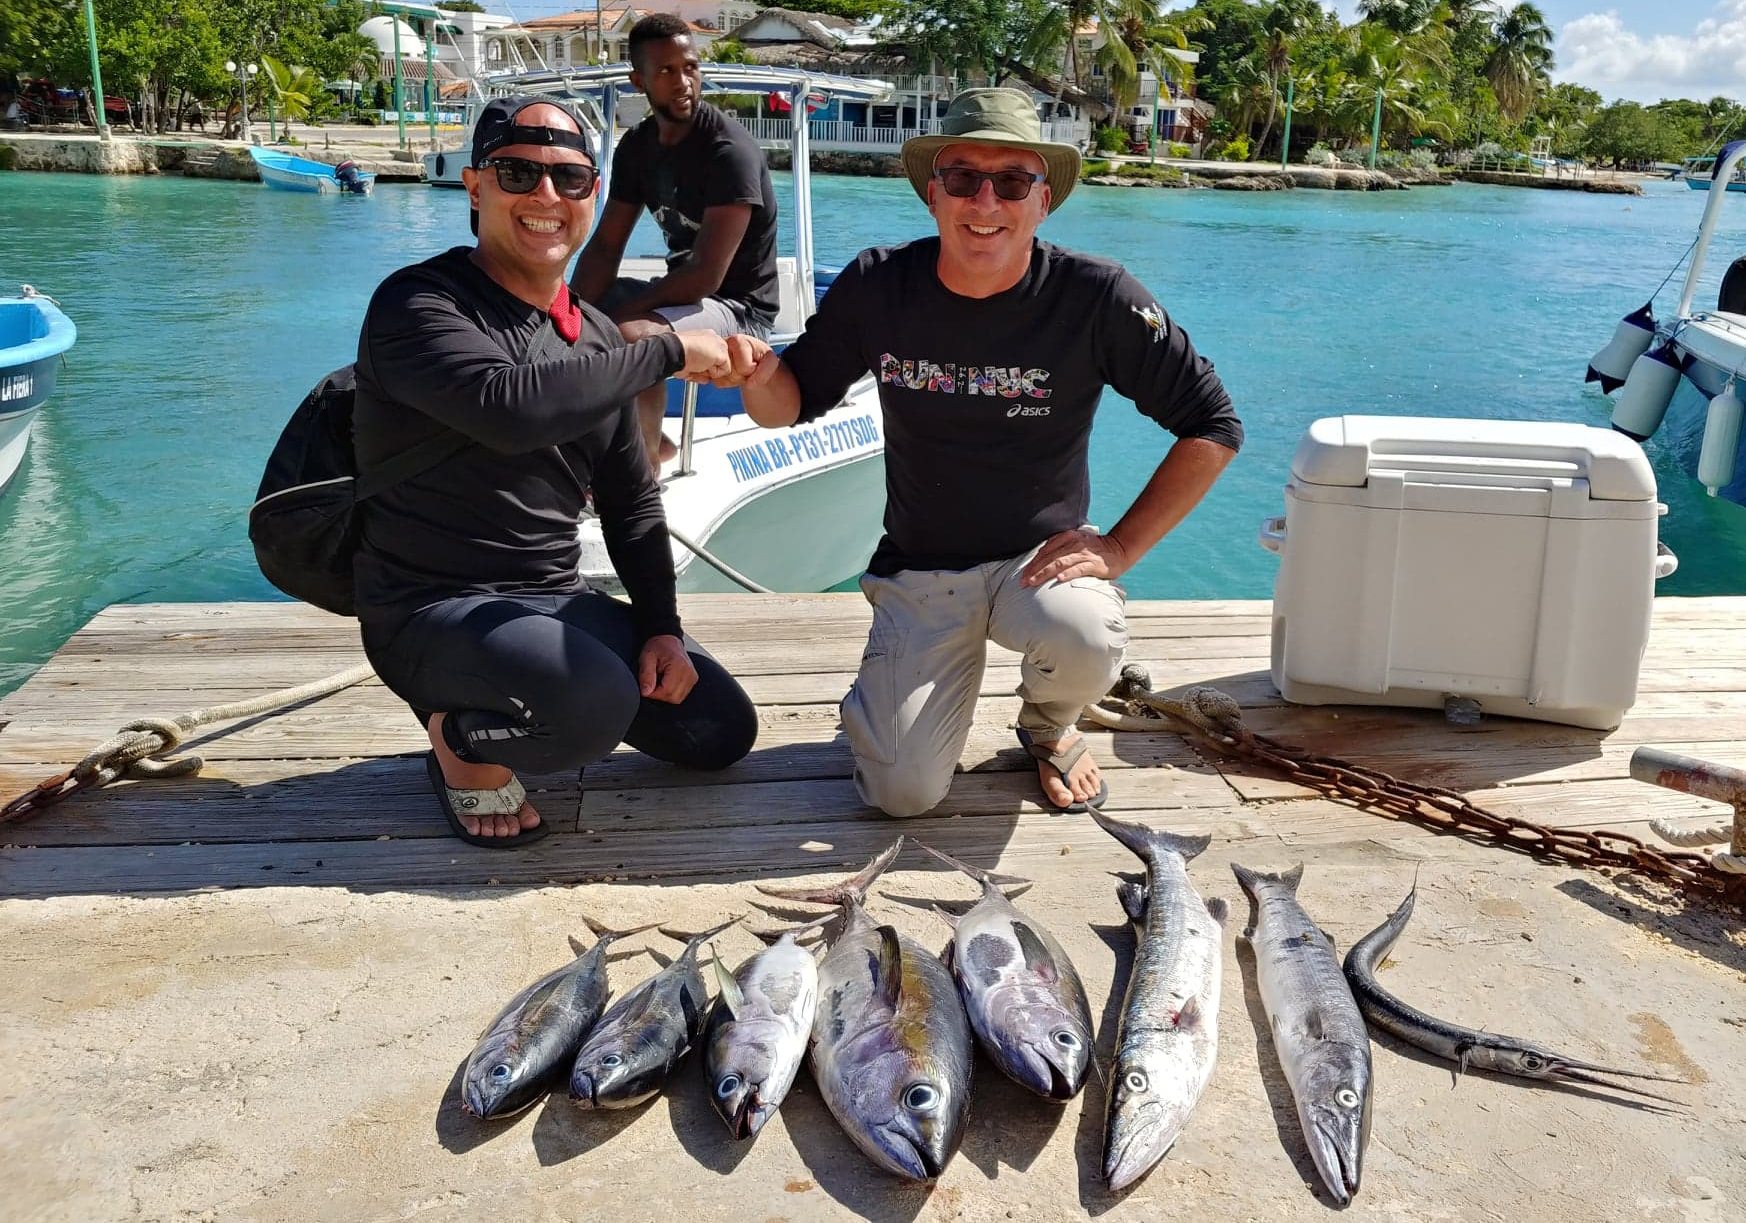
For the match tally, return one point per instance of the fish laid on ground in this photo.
(637, 1043)
(1024, 999)
(1168, 1041)
(527, 1049)
(1464, 1046)
(758, 1032)
(891, 1048)
(1317, 1029)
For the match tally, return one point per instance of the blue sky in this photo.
(1638, 49)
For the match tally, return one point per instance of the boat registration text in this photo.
(804, 445)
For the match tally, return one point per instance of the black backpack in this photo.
(304, 522)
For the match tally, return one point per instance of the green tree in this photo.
(297, 90)
(1627, 132)
(965, 36)
(1520, 59)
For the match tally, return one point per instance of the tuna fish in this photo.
(524, 1052)
(1168, 1042)
(758, 1032)
(1024, 999)
(629, 1054)
(891, 1048)
(1317, 1029)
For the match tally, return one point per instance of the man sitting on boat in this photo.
(707, 184)
(467, 586)
(992, 350)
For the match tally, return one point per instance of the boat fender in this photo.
(1721, 445)
(1648, 389)
(1631, 339)
(441, 165)
(1732, 298)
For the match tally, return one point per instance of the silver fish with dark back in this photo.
(1317, 1030)
(525, 1051)
(1168, 1041)
(1023, 996)
(1466, 1047)
(891, 1048)
(637, 1043)
(757, 1033)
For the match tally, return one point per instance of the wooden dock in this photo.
(298, 1044)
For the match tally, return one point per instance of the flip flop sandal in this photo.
(1062, 763)
(505, 800)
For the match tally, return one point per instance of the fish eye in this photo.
(612, 1061)
(1135, 1080)
(1346, 1098)
(1066, 1039)
(921, 1097)
(1533, 1061)
(500, 1072)
(729, 1084)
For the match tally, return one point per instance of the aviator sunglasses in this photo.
(518, 176)
(963, 182)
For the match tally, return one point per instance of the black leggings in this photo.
(546, 683)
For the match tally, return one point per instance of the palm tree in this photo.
(294, 86)
(1520, 59)
(1148, 43)
(1279, 30)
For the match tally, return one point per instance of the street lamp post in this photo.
(98, 116)
(244, 73)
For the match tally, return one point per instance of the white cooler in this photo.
(1512, 562)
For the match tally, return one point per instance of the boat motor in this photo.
(1631, 339)
(349, 179)
(1648, 389)
(1721, 444)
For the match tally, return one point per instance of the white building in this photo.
(601, 36)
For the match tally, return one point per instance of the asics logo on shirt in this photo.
(949, 378)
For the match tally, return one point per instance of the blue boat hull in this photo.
(33, 335)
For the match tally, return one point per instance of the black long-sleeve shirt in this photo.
(988, 402)
(442, 348)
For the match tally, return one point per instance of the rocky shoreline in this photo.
(227, 159)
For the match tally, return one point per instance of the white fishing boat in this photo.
(797, 509)
(1680, 381)
(33, 336)
(288, 172)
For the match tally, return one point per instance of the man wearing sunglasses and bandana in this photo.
(992, 350)
(471, 606)
(707, 184)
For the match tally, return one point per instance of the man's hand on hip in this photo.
(664, 670)
(1076, 554)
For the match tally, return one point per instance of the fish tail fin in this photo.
(605, 934)
(1219, 910)
(693, 941)
(985, 878)
(1251, 880)
(1147, 842)
(849, 890)
(804, 933)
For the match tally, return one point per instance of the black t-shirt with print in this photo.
(717, 162)
(988, 402)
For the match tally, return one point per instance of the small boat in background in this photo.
(291, 173)
(33, 335)
(1699, 172)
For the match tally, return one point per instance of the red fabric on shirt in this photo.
(566, 315)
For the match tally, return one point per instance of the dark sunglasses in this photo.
(518, 176)
(962, 182)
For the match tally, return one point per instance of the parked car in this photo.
(43, 102)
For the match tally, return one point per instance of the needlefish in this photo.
(891, 1048)
(1168, 1040)
(1317, 1029)
(629, 1054)
(1464, 1046)
(1024, 999)
(526, 1050)
(757, 1033)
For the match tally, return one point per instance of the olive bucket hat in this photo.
(1004, 117)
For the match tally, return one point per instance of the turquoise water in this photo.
(206, 309)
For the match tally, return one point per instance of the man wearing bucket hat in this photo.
(992, 350)
(467, 589)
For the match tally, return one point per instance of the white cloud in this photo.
(1597, 50)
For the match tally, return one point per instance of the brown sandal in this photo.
(1062, 762)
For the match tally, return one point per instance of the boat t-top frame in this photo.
(597, 88)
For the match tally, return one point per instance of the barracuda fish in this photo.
(1464, 1046)
(891, 1048)
(1168, 1041)
(1317, 1030)
(1024, 999)
(758, 1032)
(526, 1049)
(629, 1054)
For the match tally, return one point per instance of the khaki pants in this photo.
(910, 709)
